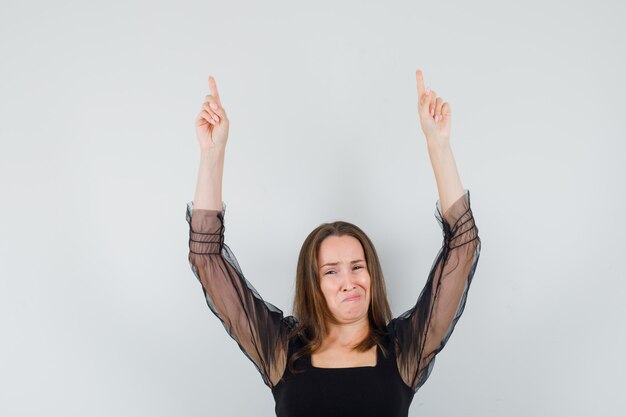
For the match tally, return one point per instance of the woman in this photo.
(340, 354)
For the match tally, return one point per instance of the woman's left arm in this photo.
(436, 119)
(423, 331)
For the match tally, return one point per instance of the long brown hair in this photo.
(309, 304)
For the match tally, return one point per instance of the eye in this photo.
(328, 272)
(359, 266)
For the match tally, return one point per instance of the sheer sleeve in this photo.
(257, 326)
(422, 332)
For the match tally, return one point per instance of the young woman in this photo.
(340, 353)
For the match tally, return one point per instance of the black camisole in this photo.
(359, 391)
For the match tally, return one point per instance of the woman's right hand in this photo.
(212, 122)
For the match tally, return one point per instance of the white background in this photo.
(100, 314)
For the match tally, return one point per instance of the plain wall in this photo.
(100, 313)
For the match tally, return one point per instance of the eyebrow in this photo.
(336, 263)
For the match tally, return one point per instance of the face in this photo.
(344, 278)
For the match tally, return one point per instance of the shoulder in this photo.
(295, 338)
(290, 323)
(392, 328)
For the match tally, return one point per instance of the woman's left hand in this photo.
(435, 114)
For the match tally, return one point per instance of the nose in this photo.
(347, 283)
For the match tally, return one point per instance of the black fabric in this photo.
(346, 392)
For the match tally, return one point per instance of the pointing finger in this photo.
(420, 82)
(213, 87)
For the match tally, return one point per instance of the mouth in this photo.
(352, 298)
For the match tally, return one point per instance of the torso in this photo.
(366, 384)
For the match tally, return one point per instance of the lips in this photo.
(352, 298)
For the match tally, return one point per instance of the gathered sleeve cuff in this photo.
(206, 230)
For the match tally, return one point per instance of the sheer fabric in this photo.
(261, 330)
(257, 326)
(423, 331)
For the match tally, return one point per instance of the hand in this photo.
(435, 114)
(212, 122)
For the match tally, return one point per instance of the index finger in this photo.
(213, 87)
(420, 82)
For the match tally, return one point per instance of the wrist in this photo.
(213, 153)
(435, 147)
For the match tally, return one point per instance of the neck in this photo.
(347, 334)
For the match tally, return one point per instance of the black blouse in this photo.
(414, 338)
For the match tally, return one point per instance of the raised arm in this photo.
(423, 331)
(257, 326)
(436, 120)
(212, 126)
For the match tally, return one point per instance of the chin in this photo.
(353, 315)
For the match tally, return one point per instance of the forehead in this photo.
(340, 249)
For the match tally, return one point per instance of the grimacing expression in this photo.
(344, 278)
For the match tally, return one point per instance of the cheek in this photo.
(368, 294)
(366, 283)
(328, 290)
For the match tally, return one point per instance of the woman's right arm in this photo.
(257, 326)
(212, 126)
